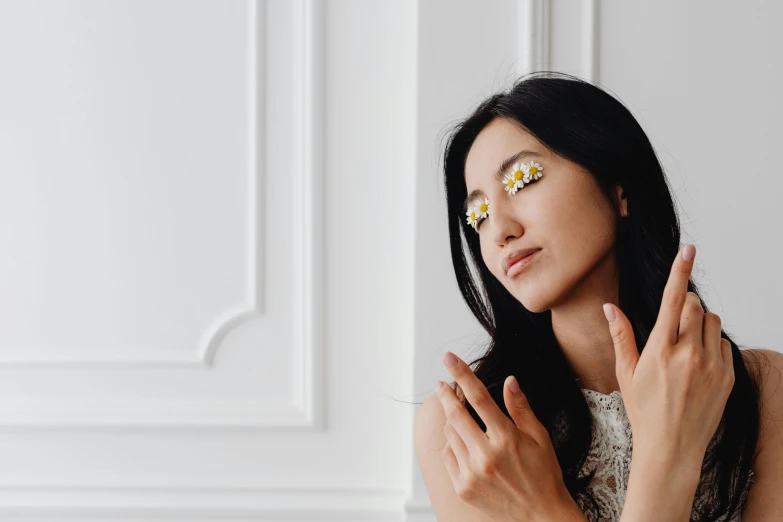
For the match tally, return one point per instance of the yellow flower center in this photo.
(510, 183)
(483, 207)
(518, 175)
(473, 216)
(533, 170)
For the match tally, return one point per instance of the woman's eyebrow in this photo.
(499, 174)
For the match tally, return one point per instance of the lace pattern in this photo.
(610, 458)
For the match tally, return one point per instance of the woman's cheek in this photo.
(489, 260)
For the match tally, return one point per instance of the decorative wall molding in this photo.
(534, 42)
(204, 503)
(308, 255)
(304, 409)
(201, 358)
(590, 40)
(214, 333)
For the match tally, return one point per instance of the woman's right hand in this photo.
(675, 391)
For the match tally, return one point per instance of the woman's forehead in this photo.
(496, 142)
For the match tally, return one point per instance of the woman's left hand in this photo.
(511, 472)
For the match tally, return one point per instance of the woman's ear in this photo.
(622, 200)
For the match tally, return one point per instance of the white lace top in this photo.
(610, 458)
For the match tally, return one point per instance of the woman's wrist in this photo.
(569, 509)
(659, 488)
(662, 455)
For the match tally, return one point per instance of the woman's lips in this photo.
(521, 264)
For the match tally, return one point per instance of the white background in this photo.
(225, 276)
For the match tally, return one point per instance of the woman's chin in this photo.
(532, 304)
(534, 300)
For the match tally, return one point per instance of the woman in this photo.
(558, 168)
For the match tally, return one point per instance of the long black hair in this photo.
(585, 124)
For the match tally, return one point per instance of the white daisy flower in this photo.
(518, 172)
(472, 215)
(527, 178)
(535, 170)
(510, 183)
(483, 208)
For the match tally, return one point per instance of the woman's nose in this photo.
(505, 224)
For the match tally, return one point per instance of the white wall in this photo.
(226, 273)
(207, 280)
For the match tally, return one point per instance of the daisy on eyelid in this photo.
(471, 215)
(510, 183)
(535, 170)
(518, 171)
(483, 208)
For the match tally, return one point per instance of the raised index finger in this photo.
(674, 295)
(476, 394)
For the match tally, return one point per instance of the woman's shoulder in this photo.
(753, 354)
(767, 365)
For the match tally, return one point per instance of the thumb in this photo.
(625, 350)
(520, 411)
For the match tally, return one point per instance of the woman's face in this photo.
(563, 213)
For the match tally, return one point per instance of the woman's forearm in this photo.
(659, 489)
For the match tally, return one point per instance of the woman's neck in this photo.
(581, 329)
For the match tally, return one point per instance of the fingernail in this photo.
(438, 386)
(514, 385)
(609, 313)
(450, 360)
(688, 252)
